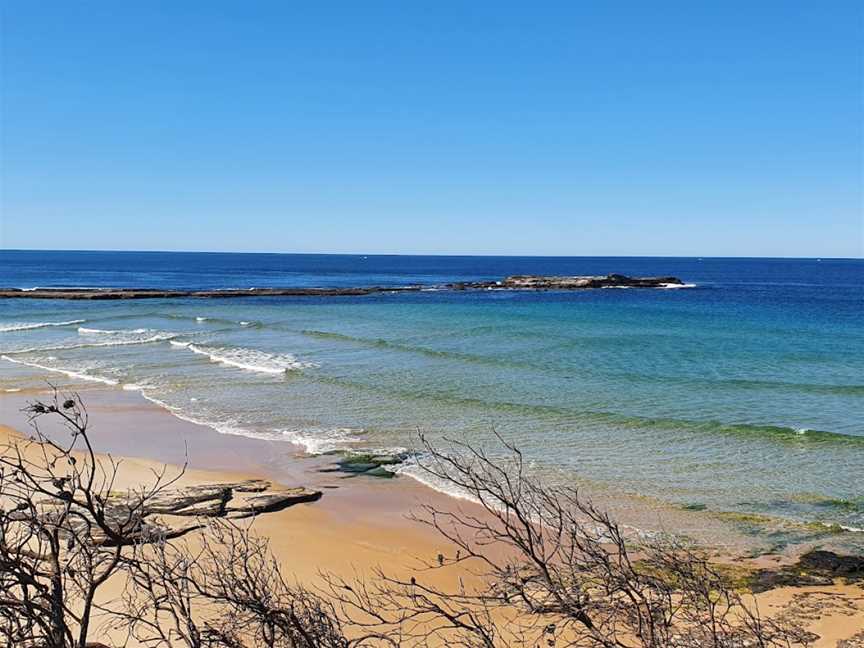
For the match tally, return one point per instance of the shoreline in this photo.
(721, 533)
(155, 433)
(359, 523)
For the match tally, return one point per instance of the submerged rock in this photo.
(380, 471)
(356, 467)
(371, 465)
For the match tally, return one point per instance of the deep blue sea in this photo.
(738, 401)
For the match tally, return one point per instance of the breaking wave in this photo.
(321, 440)
(94, 331)
(315, 440)
(80, 375)
(26, 326)
(247, 359)
(114, 338)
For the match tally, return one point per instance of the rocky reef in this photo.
(541, 282)
(514, 282)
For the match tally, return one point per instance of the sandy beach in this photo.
(360, 523)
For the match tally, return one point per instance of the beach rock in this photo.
(853, 642)
(157, 518)
(828, 562)
(813, 568)
(195, 500)
(271, 502)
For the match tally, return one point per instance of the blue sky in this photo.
(583, 128)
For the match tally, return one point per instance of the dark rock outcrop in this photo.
(271, 502)
(366, 464)
(165, 515)
(813, 568)
(515, 282)
(540, 282)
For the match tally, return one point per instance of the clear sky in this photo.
(572, 128)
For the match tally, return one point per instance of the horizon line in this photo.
(442, 254)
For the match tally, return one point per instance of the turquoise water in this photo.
(742, 394)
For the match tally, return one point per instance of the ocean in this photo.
(738, 400)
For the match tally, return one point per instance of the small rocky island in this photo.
(514, 282)
(541, 282)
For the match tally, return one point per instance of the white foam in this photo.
(222, 428)
(410, 468)
(94, 331)
(314, 440)
(201, 319)
(672, 286)
(156, 337)
(72, 374)
(321, 440)
(247, 359)
(851, 529)
(132, 387)
(26, 326)
(11, 390)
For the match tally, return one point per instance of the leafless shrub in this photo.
(62, 534)
(223, 589)
(552, 569)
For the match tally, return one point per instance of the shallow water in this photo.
(741, 395)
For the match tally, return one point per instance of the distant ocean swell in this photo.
(288, 363)
(277, 364)
(503, 362)
(576, 416)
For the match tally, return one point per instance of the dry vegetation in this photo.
(552, 569)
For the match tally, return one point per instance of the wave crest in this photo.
(26, 326)
(247, 359)
(80, 375)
